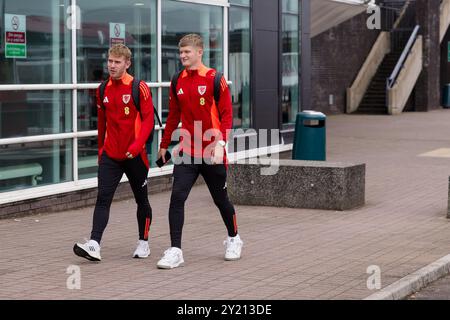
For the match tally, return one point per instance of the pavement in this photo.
(288, 253)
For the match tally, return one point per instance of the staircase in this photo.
(374, 101)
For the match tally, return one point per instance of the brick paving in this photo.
(288, 253)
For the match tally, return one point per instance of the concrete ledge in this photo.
(414, 281)
(299, 184)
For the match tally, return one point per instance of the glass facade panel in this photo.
(290, 61)
(117, 21)
(29, 113)
(290, 6)
(87, 157)
(239, 64)
(35, 42)
(33, 164)
(165, 103)
(87, 110)
(241, 2)
(181, 18)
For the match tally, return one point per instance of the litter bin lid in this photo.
(313, 114)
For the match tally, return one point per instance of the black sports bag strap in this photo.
(102, 92)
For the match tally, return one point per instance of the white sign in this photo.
(15, 36)
(116, 33)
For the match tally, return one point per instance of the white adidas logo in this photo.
(106, 100)
(180, 92)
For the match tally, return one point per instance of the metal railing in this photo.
(403, 36)
(401, 61)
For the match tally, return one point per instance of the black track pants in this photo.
(185, 176)
(109, 174)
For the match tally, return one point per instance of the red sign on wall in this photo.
(15, 37)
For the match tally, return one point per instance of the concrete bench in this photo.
(33, 170)
(299, 184)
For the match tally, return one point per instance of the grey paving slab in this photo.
(288, 253)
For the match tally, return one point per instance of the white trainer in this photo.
(173, 257)
(233, 248)
(89, 250)
(142, 250)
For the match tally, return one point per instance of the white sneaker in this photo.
(233, 248)
(142, 250)
(173, 257)
(89, 250)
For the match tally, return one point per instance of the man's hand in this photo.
(217, 154)
(129, 155)
(133, 150)
(162, 153)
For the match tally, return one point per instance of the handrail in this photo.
(391, 80)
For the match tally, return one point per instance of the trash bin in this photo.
(446, 96)
(310, 136)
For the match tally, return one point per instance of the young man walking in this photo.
(194, 105)
(123, 129)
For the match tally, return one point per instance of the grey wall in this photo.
(265, 76)
(445, 65)
(428, 86)
(337, 56)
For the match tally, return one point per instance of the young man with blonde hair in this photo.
(206, 127)
(124, 126)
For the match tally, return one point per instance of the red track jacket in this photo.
(120, 127)
(195, 103)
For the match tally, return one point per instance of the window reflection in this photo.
(87, 110)
(290, 59)
(87, 157)
(239, 64)
(29, 113)
(35, 164)
(179, 19)
(44, 56)
(118, 21)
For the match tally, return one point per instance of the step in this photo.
(374, 107)
(377, 89)
(371, 112)
(374, 98)
(375, 94)
(372, 103)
